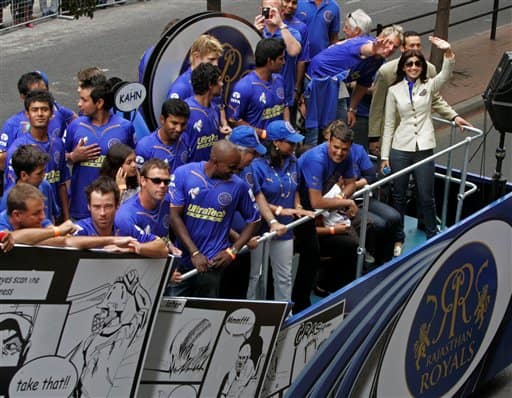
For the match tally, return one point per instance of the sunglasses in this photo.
(419, 64)
(158, 181)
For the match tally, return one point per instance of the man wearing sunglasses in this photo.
(145, 216)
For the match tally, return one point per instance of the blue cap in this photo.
(281, 130)
(246, 136)
(43, 76)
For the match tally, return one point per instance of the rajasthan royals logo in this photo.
(56, 157)
(280, 93)
(328, 16)
(224, 198)
(451, 320)
(112, 142)
(249, 179)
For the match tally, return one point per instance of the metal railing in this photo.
(366, 193)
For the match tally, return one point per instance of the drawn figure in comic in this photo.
(121, 319)
(15, 332)
(237, 379)
(190, 347)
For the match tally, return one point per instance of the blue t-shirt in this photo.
(208, 207)
(51, 208)
(289, 71)
(317, 171)
(362, 164)
(18, 124)
(256, 101)
(182, 86)
(6, 225)
(57, 171)
(278, 185)
(116, 130)
(201, 133)
(144, 62)
(87, 228)
(144, 225)
(345, 56)
(321, 22)
(152, 146)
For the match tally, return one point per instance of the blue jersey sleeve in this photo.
(176, 190)
(9, 132)
(240, 98)
(312, 173)
(247, 205)
(126, 224)
(142, 151)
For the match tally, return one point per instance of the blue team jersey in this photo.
(86, 228)
(182, 86)
(278, 185)
(6, 225)
(289, 71)
(317, 171)
(256, 101)
(116, 130)
(144, 62)
(321, 22)
(57, 171)
(51, 208)
(209, 205)
(345, 56)
(18, 124)
(202, 132)
(361, 160)
(144, 225)
(152, 146)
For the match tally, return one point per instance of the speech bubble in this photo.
(240, 322)
(130, 96)
(44, 377)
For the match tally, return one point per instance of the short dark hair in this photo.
(153, 163)
(268, 49)
(204, 76)
(39, 96)
(27, 158)
(406, 55)
(19, 194)
(100, 88)
(338, 129)
(28, 79)
(175, 107)
(410, 33)
(104, 185)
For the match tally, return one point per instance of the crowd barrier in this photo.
(19, 13)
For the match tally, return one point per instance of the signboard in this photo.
(75, 323)
(211, 348)
(129, 96)
(169, 59)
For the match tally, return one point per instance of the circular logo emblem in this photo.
(451, 321)
(56, 157)
(328, 16)
(112, 142)
(249, 179)
(280, 93)
(165, 221)
(224, 198)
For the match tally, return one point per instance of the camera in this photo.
(265, 11)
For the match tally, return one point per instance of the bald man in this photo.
(204, 199)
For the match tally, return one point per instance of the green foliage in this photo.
(79, 8)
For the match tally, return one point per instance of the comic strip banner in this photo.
(211, 348)
(75, 323)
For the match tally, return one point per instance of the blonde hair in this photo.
(206, 44)
(359, 19)
(396, 30)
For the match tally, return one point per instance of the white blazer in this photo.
(416, 129)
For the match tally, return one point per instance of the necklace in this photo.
(281, 185)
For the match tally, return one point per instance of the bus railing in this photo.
(366, 193)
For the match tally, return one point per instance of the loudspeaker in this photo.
(498, 95)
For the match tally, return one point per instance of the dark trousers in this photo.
(424, 177)
(306, 244)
